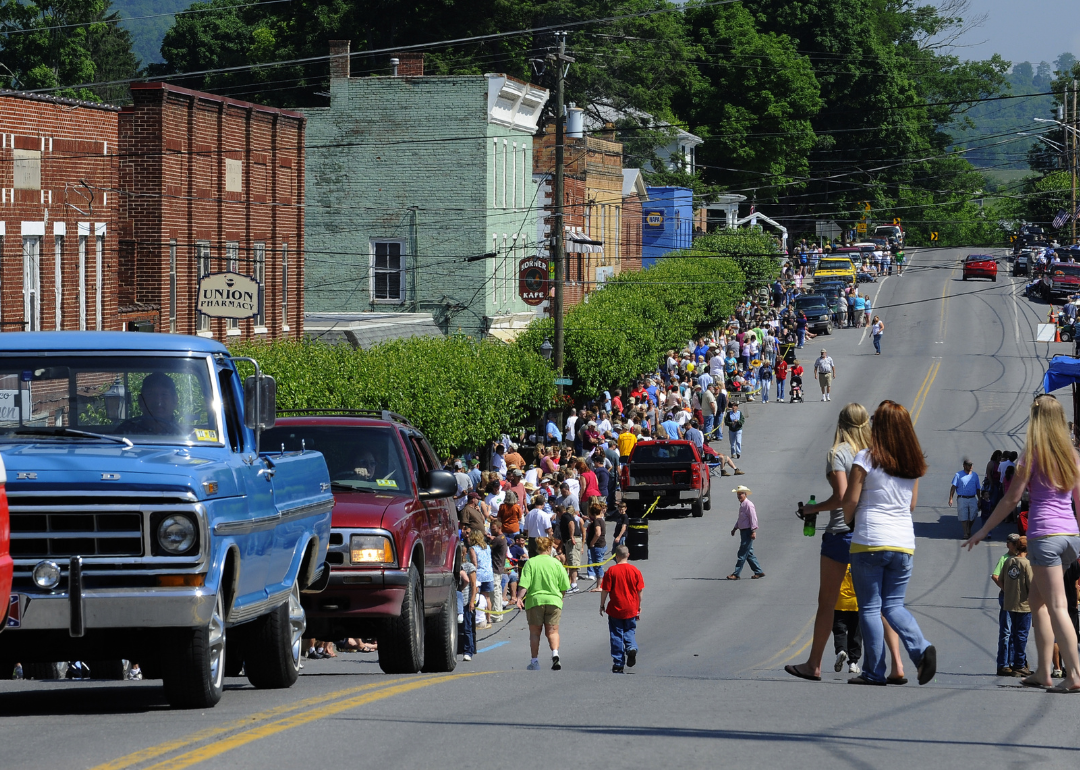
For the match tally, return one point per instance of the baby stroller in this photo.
(796, 389)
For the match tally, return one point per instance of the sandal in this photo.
(1027, 682)
(1061, 689)
(795, 672)
(733, 576)
(896, 680)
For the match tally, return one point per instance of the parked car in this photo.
(146, 524)
(1060, 279)
(669, 472)
(886, 232)
(816, 308)
(393, 537)
(1022, 262)
(980, 266)
(839, 267)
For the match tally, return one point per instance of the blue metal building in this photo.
(667, 222)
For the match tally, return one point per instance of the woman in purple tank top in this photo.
(1050, 469)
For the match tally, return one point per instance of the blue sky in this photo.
(1030, 30)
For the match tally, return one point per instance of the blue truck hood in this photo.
(73, 465)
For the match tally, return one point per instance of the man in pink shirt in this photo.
(746, 526)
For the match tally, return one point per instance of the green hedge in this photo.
(460, 393)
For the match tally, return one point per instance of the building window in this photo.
(99, 253)
(27, 169)
(31, 283)
(81, 290)
(232, 257)
(202, 267)
(58, 284)
(388, 271)
(172, 286)
(285, 287)
(234, 175)
(495, 174)
(504, 174)
(258, 272)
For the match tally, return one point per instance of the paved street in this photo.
(709, 688)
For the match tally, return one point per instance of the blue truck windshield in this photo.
(365, 458)
(145, 399)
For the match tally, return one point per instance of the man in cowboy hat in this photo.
(746, 526)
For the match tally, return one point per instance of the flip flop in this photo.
(795, 672)
(1028, 683)
(733, 576)
(896, 680)
(1060, 690)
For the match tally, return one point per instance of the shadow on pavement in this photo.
(62, 699)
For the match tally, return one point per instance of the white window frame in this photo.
(26, 169)
(202, 269)
(285, 287)
(258, 272)
(99, 255)
(172, 286)
(84, 242)
(403, 264)
(505, 149)
(31, 271)
(232, 265)
(58, 282)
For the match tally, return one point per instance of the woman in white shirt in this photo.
(877, 330)
(883, 487)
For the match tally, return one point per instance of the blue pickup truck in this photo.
(145, 522)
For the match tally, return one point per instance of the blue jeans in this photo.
(710, 423)
(623, 638)
(802, 336)
(780, 389)
(877, 342)
(1021, 625)
(1005, 653)
(736, 441)
(880, 579)
(596, 555)
(766, 386)
(746, 553)
(468, 632)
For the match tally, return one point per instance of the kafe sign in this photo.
(228, 295)
(533, 280)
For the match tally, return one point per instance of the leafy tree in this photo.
(61, 44)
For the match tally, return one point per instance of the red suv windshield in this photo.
(361, 457)
(1071, 271)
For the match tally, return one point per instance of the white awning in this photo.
(579, 243)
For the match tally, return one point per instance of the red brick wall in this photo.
(79, 144)
(631, 233)
(175, 144)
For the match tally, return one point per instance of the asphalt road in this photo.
(709, 688)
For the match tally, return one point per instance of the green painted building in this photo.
(420, 196)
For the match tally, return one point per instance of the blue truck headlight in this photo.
(176, 534)
(46, 574)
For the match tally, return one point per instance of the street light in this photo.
(546, 349)
(1056, 145)
(114, 399)
(1063, 125)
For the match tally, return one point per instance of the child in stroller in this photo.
(796, 382)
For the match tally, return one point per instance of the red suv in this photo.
(393, 536)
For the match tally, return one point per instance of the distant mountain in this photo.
(999, 121)
(147, 33)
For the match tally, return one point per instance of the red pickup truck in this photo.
(393, 537)
(1060, 279)
(670, 472)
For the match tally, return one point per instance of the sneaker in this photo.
(460, 619)
(723, 472)
(534, 665)
(1025, 671)
(841, 659)
(823, 398)
(617, 669)
(1006, 671)
(496, 619)
(631, 658)
(854, 669)
(1057, 673)
(466, 656)
(555, 664)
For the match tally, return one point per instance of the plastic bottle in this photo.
(809, 520)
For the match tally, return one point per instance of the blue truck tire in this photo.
(193, 667)
(272, 645)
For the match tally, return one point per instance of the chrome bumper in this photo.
(119, 608)
(684, 494)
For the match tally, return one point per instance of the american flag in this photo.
(1061, 218)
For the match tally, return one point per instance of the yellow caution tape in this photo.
(651, 508)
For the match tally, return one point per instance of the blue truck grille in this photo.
(41, 535)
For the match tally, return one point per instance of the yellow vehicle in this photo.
(835, 267)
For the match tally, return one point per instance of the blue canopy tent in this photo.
(1063, 371)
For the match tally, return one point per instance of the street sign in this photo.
(866, 206)
(1012, 239)
(563, 381)
(896, 221)
(860, 227)
(933, 236)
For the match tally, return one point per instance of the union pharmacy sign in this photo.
(228, 295)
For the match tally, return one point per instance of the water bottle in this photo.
(809, 520)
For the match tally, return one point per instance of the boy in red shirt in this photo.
(624, 584)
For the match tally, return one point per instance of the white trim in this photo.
(59, 228)
(402, 271)
(262, 330)
(33, 228)
(99, 228)
(233, 332)
(84, 228)
(99, 255)
(3, 229)
(207, 335)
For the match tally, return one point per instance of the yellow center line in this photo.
(296, 720)
(792, 643)
(934, 369)
(918, 395)
(160, 750)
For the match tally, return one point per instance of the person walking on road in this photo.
(883, 489)
(746, 525)
(540, 593)
(966, 488)
(620, 598)
(1050, 467)
(825, 370)
(877, 330)
(851, 437)
(735, 420)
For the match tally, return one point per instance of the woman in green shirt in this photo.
(540, 593)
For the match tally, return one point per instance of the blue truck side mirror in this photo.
(260, 402)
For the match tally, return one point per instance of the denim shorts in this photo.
(487, 586)
(1053, 550)
(836, 546)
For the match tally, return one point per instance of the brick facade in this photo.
(210, 185)
(58, 242)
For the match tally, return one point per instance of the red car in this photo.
(393, 537)
(980, 266)
(8, 614)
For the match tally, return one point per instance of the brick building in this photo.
(634, 193)
(210, 185)
(58, 254)
(420, 196)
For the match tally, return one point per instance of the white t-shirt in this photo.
(879, 329)
(883, 516)
(571, 421)
(532, 476)
(1002, 467)
(537, 522)
(575, 487)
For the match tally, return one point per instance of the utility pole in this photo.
(560, 60)
(1075, 147)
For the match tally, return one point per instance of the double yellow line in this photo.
(924, 391)
(215, 741)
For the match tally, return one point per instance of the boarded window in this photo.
(234, 175)
(27, 169)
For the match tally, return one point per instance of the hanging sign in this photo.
(228, 295)
(533, 280)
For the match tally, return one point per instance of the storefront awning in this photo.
(579, 243)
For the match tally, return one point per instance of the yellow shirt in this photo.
(626, 443)
(847, 600)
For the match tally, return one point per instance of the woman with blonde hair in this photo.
(851, 437)
(1049, 469)
(883, 488)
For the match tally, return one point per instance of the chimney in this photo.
(339, 59)
(410, 65)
